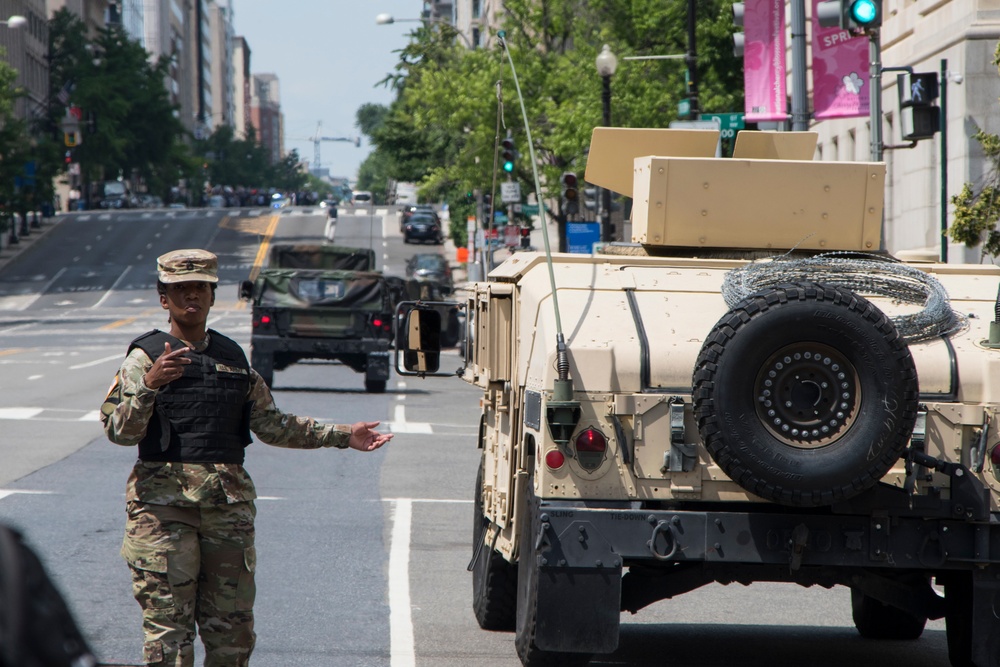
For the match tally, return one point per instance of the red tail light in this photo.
(591, 440)
(265, 319)
(995, 454)
(377, 321)
(591, 446)
(554, 459)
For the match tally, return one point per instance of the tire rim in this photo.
(807, 395)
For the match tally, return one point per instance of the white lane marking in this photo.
(35, 377)
(399, 414)
(32, 298)
(417, 428)
(19, 413)
(111, 289)
(92, 416)
(9, 492)
(96, 362)
(401, 649)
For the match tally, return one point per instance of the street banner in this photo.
(840, 72)
(764, 60)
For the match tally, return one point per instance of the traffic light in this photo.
(590, 199)
(508, 154)
(570, 194)
(919, 117)
(525, 237)
(852, 15)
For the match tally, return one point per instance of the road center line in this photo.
(401, 649)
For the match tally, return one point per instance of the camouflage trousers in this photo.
(193, 565)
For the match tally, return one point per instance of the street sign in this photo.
(510, 192)
(684, 107)
(729, 123)
(581, 236)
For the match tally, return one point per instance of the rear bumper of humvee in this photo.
(608, 560)
(368, 355)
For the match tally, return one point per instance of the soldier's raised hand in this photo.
(168, 367)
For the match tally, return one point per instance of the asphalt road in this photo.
(362, 557)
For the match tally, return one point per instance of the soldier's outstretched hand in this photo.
(364, 439)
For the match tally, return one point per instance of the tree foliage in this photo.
(453, 105)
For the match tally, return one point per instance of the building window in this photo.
(476, 8)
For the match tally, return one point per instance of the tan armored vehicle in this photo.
(751, 393)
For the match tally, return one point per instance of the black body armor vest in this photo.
(203, 416)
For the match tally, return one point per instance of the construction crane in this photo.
(317, 138)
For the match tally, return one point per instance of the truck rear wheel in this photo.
(375, 386)
(494, 580)
(876, 620)
(805, 394)
(264, 365)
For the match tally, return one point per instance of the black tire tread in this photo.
(707, 366)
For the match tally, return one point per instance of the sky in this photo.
(328, 56)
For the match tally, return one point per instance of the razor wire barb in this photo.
(868, 275)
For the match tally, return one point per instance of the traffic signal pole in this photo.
(875, 92)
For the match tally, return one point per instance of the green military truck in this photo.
(319, 301)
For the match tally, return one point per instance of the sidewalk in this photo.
(9, 252)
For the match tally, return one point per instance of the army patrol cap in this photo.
(180, 266)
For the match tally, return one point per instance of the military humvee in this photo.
(751, 392)
(320, 301)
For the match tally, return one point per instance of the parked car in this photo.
(361, 197)
(422, 227)
(429, 266)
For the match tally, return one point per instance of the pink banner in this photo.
(764, 60)
(840, 72)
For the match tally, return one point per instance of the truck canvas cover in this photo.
(321, 256)
(301, 288)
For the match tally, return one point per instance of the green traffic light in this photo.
(508, 166)
(864, 12)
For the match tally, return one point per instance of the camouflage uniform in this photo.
(189, 537)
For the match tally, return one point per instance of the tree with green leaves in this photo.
(129, 126)
(453, 105)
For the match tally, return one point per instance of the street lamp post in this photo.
(606, 64)
(389, 19)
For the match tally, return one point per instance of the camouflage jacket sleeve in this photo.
(129, 405)
(274, 427)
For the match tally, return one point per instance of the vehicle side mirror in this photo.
(422, 341)
(246, 290)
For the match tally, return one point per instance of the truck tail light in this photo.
(995, 454)
(262, 321)
(554, 459)
(591, 446)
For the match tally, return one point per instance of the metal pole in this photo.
(944, 160)
(875, 91)
(800, 99)
(692, 62)
(605, 193)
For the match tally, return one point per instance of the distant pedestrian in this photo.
(189, 400)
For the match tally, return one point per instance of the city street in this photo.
(361, 557)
